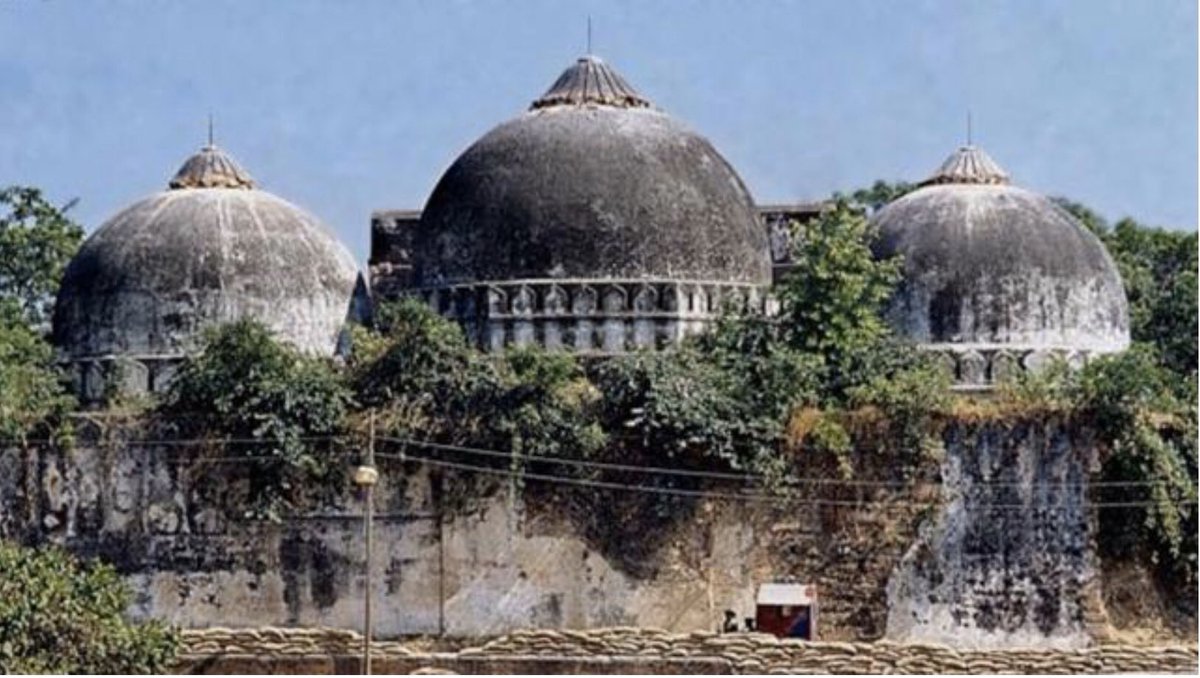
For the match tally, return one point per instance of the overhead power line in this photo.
(718, 475)
(750, 497)
(577, 463)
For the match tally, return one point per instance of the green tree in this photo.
(767, 374)
(831, 302)
(31, 390)
(1090, 219)
(37, 241)
(281, 406)
(831, 299)
(547, 408)
(423, 375)
(1159, 270)
(881, 193)
(58, 615)
(1151, 440)
(684, 408)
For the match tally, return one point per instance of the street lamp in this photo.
(366, 476)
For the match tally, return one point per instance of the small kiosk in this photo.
(787, 610)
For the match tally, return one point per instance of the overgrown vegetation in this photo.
(263, 402)
(37, 240)
(1144, 402)
(58, 615)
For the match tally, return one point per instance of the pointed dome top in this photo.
(591, 81)
(968, 165)
(211, 168)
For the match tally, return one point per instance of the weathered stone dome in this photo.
(211, 249)
(591, 182)
(988, 265)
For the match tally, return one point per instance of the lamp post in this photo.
(365, 476)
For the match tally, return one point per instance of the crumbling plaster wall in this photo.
(194, 563)
(193, 560)
(1008, 560)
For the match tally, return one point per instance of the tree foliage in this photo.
(832, 297)
(684, 409)
(1143, 402)
(280, 408)
(58, 615)
(31, 390)
(881, 193)
(1151, 436)
(1159, 270)
(37, 241)
(547, 407)
(429, 385)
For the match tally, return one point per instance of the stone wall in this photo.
(177, 534)
(1008, 560)
(648, 651)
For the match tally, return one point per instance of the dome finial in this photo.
(589, 40)
(590, 81)
(211, 168)
(968, 127)
(210, 130)
(968, 165)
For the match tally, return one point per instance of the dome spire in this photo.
(211, 168)
(968, 165)
(590, 81)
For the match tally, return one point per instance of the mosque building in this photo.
(592, 222)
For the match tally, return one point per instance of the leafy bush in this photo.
(423, 376)
(58, 615)
(830, 301)
(681, 409)
(426, 382)
(548, 407)
(31, 389)
(282, 408)
(1151, 436)
(37, 240)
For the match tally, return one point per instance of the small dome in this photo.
(591, 182)
(988, 264)
(210, 250)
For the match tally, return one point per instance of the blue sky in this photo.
(349, 106)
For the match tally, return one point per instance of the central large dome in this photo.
(592, 182)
